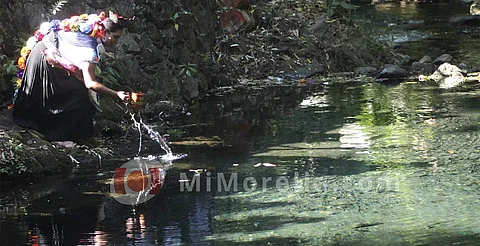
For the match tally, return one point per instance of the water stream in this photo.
(154, 135)
(344, 163)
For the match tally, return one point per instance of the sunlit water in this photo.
(349, 164)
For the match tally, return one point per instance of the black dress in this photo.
(52, 101)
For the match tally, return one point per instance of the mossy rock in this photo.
(26, 154)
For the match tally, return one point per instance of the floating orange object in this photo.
(136, 100)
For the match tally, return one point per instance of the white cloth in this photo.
(78, 47)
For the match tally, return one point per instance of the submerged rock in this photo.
(470, 20)
(391, 72)
(303, 72)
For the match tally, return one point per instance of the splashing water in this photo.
(154, 135)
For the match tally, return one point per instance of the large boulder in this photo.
(448, 76)
(26, 154)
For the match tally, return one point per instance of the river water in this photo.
(337, 163)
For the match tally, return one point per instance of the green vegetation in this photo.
(187, 70)
(11, 159)
(339, 8)
(109, 76)
(8, 68)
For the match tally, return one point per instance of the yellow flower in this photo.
(21, 62)
(84, 17)
(25, 51)
(74, 27)
(19, 82)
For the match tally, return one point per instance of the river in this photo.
(338, 163)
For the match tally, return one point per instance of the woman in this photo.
(60, 70)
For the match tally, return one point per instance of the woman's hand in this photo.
(124, 96)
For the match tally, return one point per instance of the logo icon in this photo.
(134, 183)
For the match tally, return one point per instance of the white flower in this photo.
(44, 28)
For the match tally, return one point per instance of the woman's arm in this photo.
(88, 71)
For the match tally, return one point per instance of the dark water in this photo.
(343, 163)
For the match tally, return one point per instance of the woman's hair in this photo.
(112, 26)
(121, 23)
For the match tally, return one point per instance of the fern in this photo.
(57, 7)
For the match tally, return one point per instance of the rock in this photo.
(108, 128)
(403, 60)
(467, 1)
(466, 68)
(128, 43)
(320, 26)
(445, 58)
(306, 71)
(422, 68)
(474, 9)
(391, 72)
(425, 59)
(26, 154)
(448, 69)
(191, 87)
(448, 76)
(163, 110)
(471, 20)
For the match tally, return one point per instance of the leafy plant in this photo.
(176, 16)
(8, 67)
(11, 159)
(109, 76)
(56, 7)
(187, 70)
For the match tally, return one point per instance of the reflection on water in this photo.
(354, 136)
